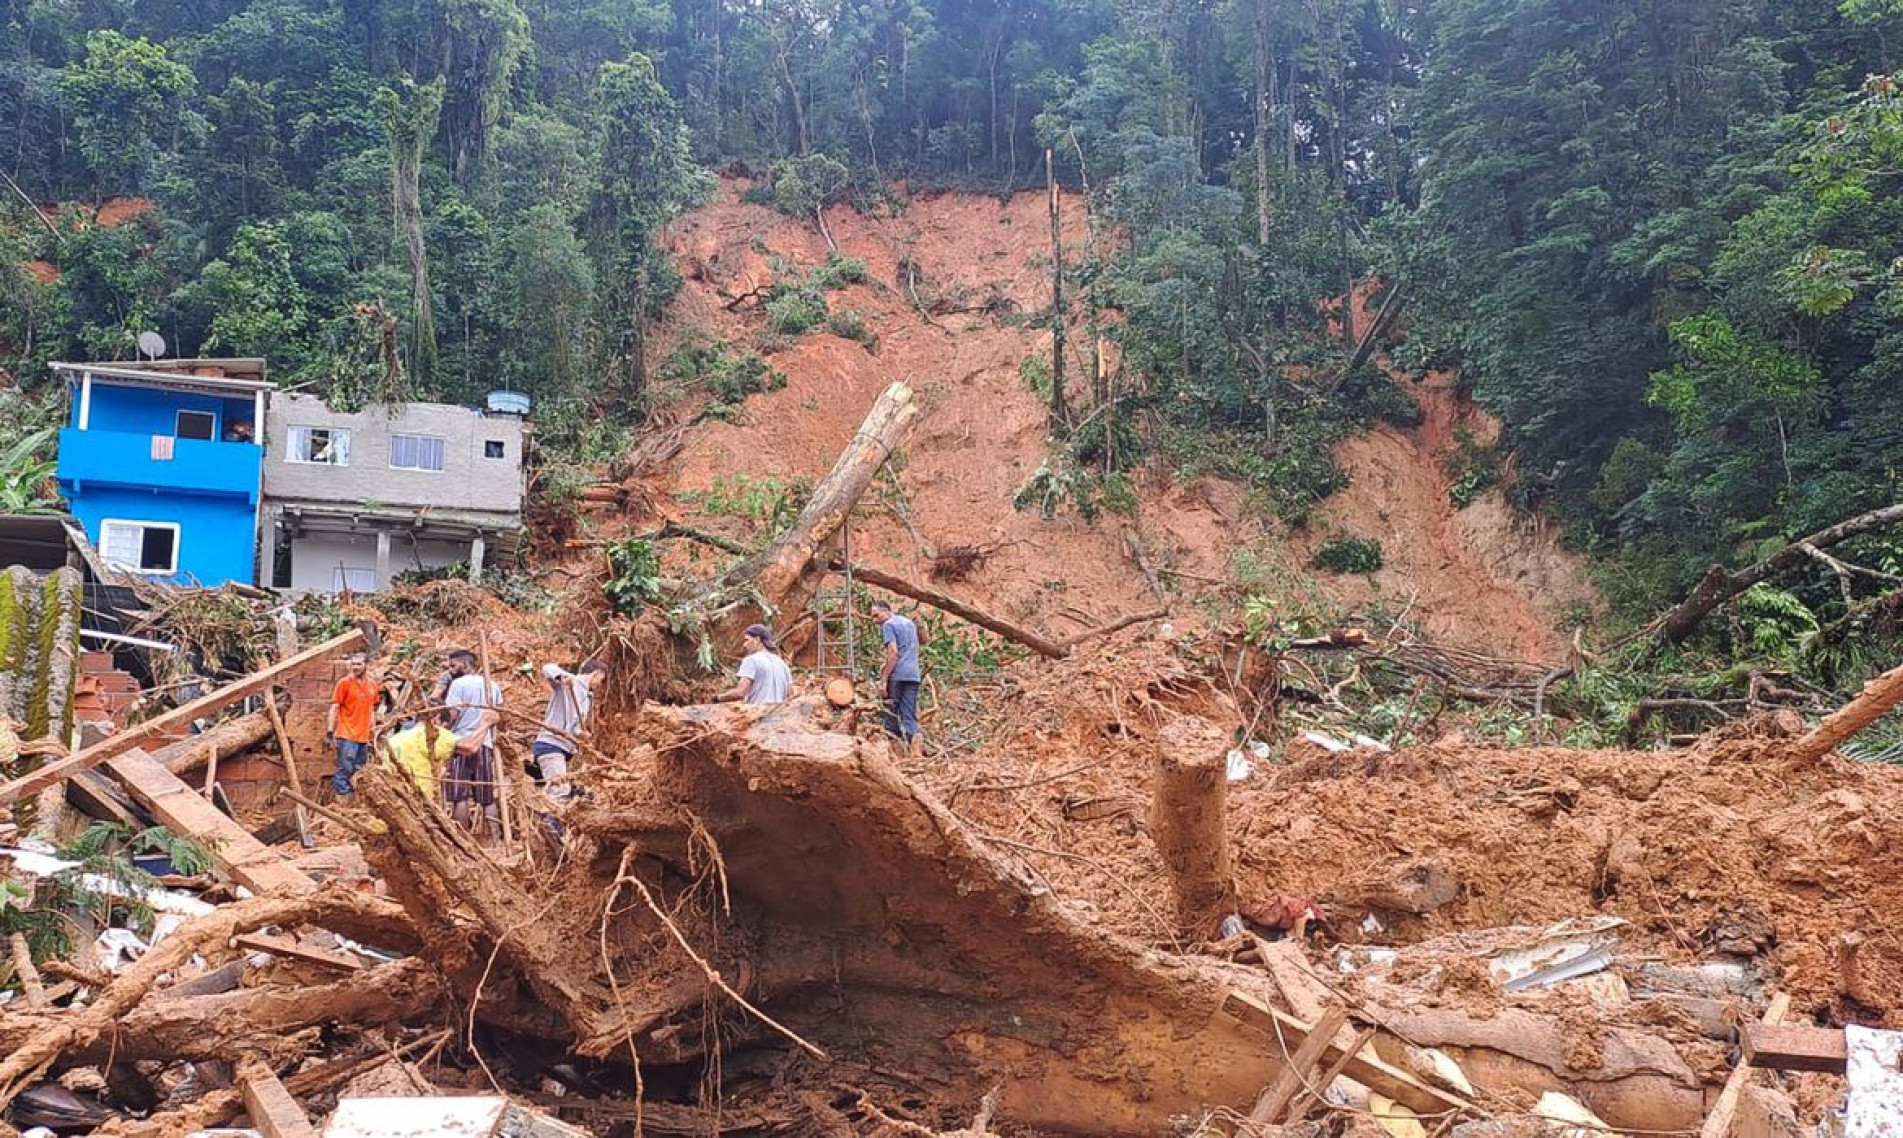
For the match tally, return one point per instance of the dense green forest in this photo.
(1661, 241)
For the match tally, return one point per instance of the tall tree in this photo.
(409, 122)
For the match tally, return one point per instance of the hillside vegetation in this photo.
(1657, 242)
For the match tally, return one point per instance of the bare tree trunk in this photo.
(1878, 696)
(1060, 411)
(1187, 824)
(793, 94)
(784, 574)
(409, 125)
(1264, 69)
(1720, 585)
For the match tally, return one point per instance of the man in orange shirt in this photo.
(347, 723)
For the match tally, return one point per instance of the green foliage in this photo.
(804, 186)
(1348, 555)
(126, 97)
(634, 576)
(839, 272)
(104, 851)
(1472, 467)
(795, 308)
(729, 375)
(1775, 624)
(769, 503)
(850, 324)
(26, 471)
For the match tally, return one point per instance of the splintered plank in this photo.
(1783, 1048)
(185, 812)
(176, 719)
(1718, 1122)
(1377, 1076)
(274, 1113)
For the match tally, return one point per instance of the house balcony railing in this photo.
(160, 462)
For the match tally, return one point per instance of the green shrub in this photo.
(850, 324)
(1472, 467)
(1348, 555)
(1120, 494)
(634, 576)
(838, 272)
(794, 309)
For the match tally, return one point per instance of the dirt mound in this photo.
(1722, 849)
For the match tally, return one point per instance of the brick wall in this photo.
(251, 780)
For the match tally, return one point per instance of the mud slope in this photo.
(1468, 575)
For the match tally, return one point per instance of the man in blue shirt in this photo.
(899, 674)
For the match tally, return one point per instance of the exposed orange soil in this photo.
(1481, 577)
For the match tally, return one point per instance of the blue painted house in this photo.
(162, 463)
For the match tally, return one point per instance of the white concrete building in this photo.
(353, 498)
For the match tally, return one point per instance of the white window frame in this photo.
(297, 433)
(178, 424)
(442, 445)
(105, 544)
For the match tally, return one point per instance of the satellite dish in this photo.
(151, 345)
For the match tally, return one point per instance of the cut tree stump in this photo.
(1187, 822)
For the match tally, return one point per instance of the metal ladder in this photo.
(835, 624)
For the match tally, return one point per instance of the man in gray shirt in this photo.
(899, 674)
(470, 701)
(570, 702)
(763, 676)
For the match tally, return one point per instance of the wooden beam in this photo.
(176, 719)
(274, 1113)
(1718, 1122)
(221, 741)
(290, 949)
(1781, 1048)
(185, 812)
(1294, 1077)
(1377, 1076)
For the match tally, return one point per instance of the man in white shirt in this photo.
(470, 700)
(571, 701)
(763, 676)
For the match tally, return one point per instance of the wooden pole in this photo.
(232, 737)
(498, 771)
(176, 719)
(1877, 697)
(1188, 796)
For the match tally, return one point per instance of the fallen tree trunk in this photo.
(924, 594)
(232, 737)
(1189, 790)
(784, 576)
(1720, 585)
(329, 905)
(248, 1020)
(1877, 697)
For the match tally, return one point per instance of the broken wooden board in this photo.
(1718, 1122)
(1374, 1074)
(185, 812)
(1782, 1048)
(274, 1113)
(289, 949)
(177, 719)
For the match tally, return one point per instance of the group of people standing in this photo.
(450, 749)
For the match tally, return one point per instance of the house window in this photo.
(416, 452)
(493, 448)
(344, 579)
(196, 425)
(326, 446)
(139, 547)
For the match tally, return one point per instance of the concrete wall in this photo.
(315, 559)
(469, 480)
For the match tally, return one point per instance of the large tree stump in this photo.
(1187, 803)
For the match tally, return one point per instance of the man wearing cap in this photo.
(764, 677)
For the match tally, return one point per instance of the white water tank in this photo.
(509, 403)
